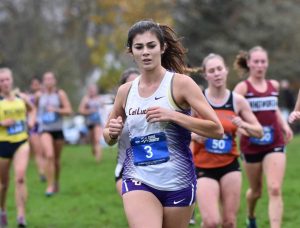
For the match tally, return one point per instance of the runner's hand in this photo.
(238, 122)
(115, 127)
(288, 133)
(295, 115)
(158, 114)
(8, 122)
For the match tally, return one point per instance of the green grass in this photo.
(88, 197)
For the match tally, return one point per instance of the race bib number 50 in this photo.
(219, 146)
(150, 149)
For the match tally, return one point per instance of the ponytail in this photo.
(173, 56)
(240, 63)
(193, 70)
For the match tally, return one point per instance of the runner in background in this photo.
(15, 108)
(216, 161)
(266, 155)
(90, 107)
(34, 136)
(286, 99)
(53, 104)
(295, 115)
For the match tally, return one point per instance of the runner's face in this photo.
(5, 82)
(146, 51)
(35, 85)
(49, 80)
(258, 63)
(216, 72)
(92, 90)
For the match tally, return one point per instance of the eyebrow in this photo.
(151, 42)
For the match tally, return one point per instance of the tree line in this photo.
(75, 37)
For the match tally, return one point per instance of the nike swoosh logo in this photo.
(177, 202)
(157, 98)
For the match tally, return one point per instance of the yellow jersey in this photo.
(13, 109)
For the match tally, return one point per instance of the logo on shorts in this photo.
(177, 202)
(276, 149)
(200, 174)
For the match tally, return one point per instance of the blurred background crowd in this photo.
(83, 41)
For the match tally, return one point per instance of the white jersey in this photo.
(175, 169)
(123, 146)
(49, 121)
(94, 118)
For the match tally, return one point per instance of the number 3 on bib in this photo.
(150, 149)
(149, 152)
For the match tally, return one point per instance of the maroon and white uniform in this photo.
(264, 106)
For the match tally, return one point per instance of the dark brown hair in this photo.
(127, 73)
(173, 56)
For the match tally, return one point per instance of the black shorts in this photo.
(254, 158)
(56, 135)
(218, 173)
(8, 149)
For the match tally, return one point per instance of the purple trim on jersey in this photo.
(180, 198)
(179, 140)
(32, 98)
(34, 130)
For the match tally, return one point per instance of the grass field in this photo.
(88, 197)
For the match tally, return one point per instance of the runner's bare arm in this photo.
(188, 94)
(248, 121)
(117, 116)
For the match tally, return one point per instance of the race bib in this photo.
(267, 139)
(49, 117)
(219, 146)
(16, 128)
(93, 118)
(150, 149)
